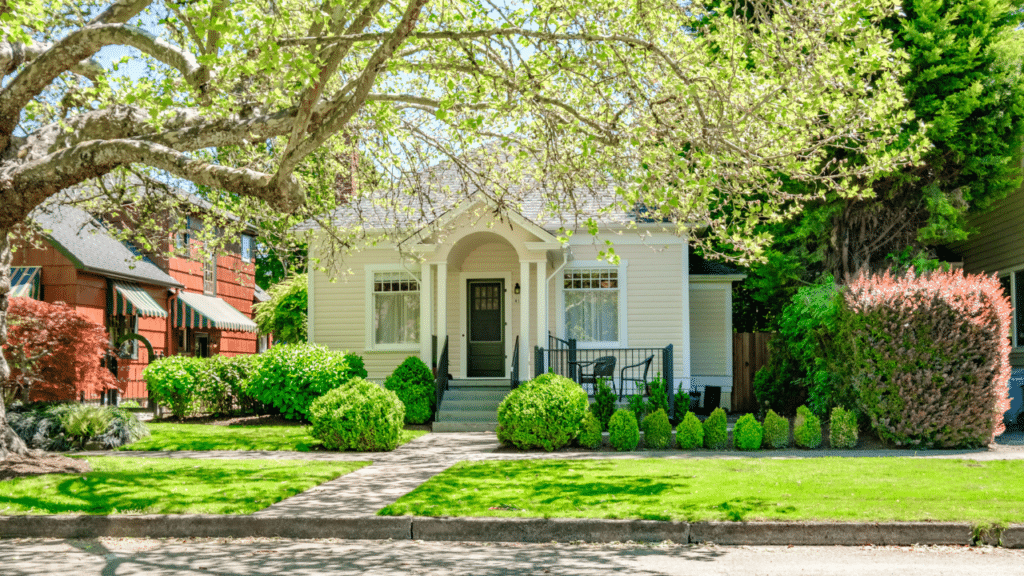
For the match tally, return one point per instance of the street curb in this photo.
(500, 530)
(547, 530)
(205, 526)
(832, 534)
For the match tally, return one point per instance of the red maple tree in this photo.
(57, 352)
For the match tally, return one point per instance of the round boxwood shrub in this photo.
(657, 430)
(358, 415)
(623, 431)
(690, 432)
(604, 402)
(806, 428)
(716, 434)
(776, 430)
(175, 382)
(546, 412)
(413, 382)
(590, 435)
(842, 429)
(290, 376)
(748, 433)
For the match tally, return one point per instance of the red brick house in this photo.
(200, 305)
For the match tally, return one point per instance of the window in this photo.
(395, 308)
(210, 276)
(592, 304)
(181, 239)
(118, 326)
(1013, 285)
(246, 248)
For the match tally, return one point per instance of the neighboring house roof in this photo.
(91, 248)
(260, 295)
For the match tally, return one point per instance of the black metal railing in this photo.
(515, 366)
(441, 376)
(627, 370)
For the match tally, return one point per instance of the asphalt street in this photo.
(122, 556)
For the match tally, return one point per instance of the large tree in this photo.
(965, 85)
(262, 104)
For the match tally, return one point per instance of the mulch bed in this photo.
(36, 464)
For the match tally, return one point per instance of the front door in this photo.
(486, 344)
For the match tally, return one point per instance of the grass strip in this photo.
(123, 485)
(170, 437)
(839, 489)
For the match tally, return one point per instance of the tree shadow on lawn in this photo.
(526, 490)
(148, 490)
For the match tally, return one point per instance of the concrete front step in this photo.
(464, 427)
(479, 383)
(465, 394)
(446, 415)
(470, 404)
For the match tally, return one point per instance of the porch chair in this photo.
(603, 367)
(640, 377)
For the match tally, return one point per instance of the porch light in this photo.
(516, 289)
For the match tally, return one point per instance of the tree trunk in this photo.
(10, 443)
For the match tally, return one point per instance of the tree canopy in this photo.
(269, 106)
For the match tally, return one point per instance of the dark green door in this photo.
(486, 328)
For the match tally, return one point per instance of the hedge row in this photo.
(285, 379)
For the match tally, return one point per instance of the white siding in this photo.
(710, 338)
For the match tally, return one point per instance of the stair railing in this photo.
(515, 366)
(441, 377)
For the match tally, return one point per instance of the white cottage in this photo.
(489, 296)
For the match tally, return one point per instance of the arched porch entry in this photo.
(485, 288)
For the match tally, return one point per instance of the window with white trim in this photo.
(1013, 285)
(395, 308)
(592, 304)
(246, 248)
(118, 326)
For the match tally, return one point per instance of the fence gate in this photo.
(749, 354)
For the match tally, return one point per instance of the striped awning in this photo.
(199, 311)
(26, 282)
(131, 299)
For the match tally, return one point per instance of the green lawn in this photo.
(851, 489)
(123, 485)
(210, 437)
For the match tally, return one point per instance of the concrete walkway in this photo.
(394, 474)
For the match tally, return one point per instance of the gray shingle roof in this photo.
(91, 248)
(444, 188)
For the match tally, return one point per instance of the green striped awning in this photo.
(199, 311)
(130, 300)
(26, 282)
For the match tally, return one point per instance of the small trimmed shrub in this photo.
(413, 382)
(657, 430)
(290, 377)
(358, 415)
(842, 428)
(658, 398)
(930, 357)
(623, 431)
(604, 403)
(690, 433)
(776, 430)
(748, 433)
(546, 412)
(639, 406)
(590, 435)
(806, 428)
(716, 433)
(175, 382)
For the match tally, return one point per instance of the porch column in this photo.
(442, 305)
(542, 305)
(425, 317)
(524, 320)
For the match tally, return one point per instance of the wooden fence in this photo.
(749, 354)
